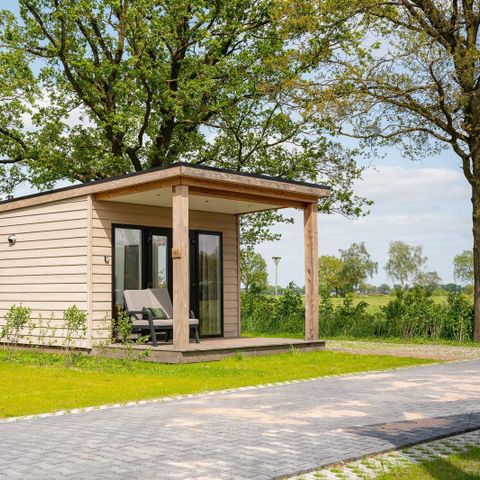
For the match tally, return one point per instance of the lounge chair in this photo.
(151, 311)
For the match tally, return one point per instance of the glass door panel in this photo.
(128, 261)
(209, 282)
(159, 265)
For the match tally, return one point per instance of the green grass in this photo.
(34, 382)
(464, 466)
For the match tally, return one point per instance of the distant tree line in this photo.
(349, 271)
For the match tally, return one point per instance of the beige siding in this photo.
(46, 269)
(107, 213)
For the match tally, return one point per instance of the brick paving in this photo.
(259, 433)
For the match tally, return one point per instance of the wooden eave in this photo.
(222, 184)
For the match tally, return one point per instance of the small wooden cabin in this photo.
(175, 227)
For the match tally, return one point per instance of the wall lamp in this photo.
(12, 240)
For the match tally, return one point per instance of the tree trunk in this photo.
(476, 259)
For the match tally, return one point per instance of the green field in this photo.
(39, 382)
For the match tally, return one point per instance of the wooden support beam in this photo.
(270, 199)
(181, 270)
(311, 271)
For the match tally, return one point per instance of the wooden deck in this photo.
(216, 349)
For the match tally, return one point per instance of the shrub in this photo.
(123, 328)
(75, 328)
(346, 319)
(458, 318)
(412, 313)
(267, 314)
(16, 319)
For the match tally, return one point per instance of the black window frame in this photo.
(147, 232)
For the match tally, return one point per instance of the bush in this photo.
(267, 314)
(346, 319)
(412, 313)
(458, 318)
(409, 314)
(75, 326)
(16, 319)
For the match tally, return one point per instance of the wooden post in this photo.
(181, 269)
(311, 272)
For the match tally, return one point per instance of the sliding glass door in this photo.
(207, 282)
(142, 259)
(158, 258)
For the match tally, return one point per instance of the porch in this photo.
(212, 349)
(178, 229)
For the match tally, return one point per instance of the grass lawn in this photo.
(34, 382)
(465, 466)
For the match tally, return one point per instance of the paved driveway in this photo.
(260, 433)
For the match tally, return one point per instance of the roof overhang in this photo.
(210, 189)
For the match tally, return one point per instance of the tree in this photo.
(253, 271)
(329, 268)
(405, 262)
(421, 90)
(452, 288)
(384, 289)
(428, 280)
(127, 86)
(357, 266)
(463, 270)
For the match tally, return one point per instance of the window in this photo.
(128, 261)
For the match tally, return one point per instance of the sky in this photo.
(425, 202)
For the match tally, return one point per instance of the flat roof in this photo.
(180, 169)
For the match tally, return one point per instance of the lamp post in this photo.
(276, 260)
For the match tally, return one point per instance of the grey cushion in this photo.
(193, 322)
(151, 298)
(156, 312)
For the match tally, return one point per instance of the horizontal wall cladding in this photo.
(46, 269)
(107, 213)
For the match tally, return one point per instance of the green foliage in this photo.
(75, 329)
(268, 314)
(124, 327)
(357, 266)
(16, 320)
(463, 267)
(253, 271)
(458, 318)
(329, 273)
(346, 319)
(405, 262)
(410, 314)
(126, 86)
(428, 280)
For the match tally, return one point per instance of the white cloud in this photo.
(428, 206)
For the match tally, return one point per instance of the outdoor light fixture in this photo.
(12, 240)
(276, 260)
(108, 259)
